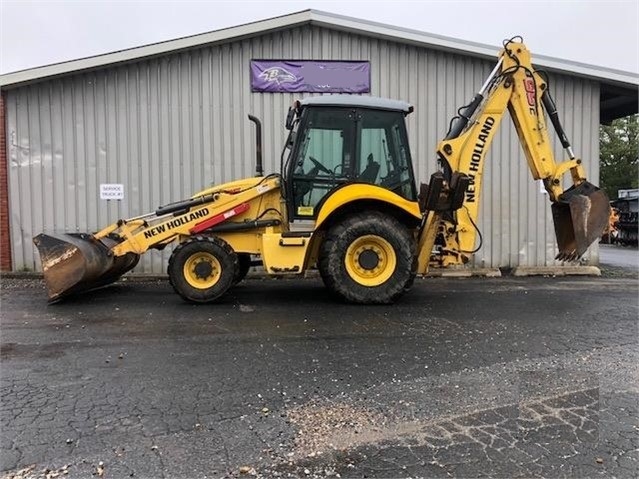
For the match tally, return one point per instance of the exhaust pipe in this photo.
(259, 170)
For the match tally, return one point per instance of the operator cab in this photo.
(342, 139)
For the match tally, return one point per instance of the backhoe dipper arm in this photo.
(515, 86)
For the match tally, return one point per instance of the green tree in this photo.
(619, 153)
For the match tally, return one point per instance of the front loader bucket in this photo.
(72, 263)
(581, 217)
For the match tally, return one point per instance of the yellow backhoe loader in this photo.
(346, 201)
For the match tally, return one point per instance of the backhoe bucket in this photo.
(581, 217)
(72, 263)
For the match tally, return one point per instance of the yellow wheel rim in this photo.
(370, 260)
(202, 270)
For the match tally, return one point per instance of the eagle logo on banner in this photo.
(278, 75)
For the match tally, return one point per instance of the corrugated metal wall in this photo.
(169, 126)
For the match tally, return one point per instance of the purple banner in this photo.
(307, 76)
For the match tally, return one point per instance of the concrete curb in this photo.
(314, 274)
(20, 275)
(556, 271)
(464, 273)
(37, 275)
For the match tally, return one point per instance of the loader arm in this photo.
(79, 262)
(580, 212)
(190, 217)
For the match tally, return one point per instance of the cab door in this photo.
(322, 160)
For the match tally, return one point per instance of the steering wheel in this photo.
(319, 166)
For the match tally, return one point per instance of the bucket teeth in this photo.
(580, 218)
(567, 256)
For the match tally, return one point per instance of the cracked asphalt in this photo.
(504, 377)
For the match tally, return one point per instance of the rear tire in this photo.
(368, 258)
(202, 269)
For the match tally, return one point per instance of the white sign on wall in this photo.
(111, 191)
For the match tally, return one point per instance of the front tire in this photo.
(202, 269)
(244, 265)
(368, 258)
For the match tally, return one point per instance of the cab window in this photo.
(384, 156)
(348, 145)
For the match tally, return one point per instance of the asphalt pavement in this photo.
(619, 256)
(501, 377)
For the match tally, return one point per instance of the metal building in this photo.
(168, 119)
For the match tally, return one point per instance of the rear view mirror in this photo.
(290, 117)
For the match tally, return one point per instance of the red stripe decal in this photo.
(217, 219)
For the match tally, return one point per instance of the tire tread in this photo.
(216, 292)
(334, 247)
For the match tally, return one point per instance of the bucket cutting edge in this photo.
(76, 262)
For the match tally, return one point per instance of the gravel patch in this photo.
(330, 426)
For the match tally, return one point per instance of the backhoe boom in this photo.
(580, 212)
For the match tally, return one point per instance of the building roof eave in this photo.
(319, 18)
(155, 49)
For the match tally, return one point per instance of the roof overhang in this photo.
(453, 45)
(156, 49)
(616, 102)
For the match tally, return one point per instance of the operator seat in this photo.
(369, 175)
